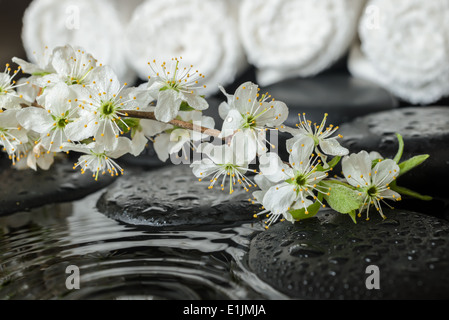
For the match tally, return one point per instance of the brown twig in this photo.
(175, 122)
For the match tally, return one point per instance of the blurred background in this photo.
(365, 53)
(11, 22)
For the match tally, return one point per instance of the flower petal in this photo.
(280, 198)
(273, 168)
(168, 104)
(333, 148)
(384, 172)
(357, 168)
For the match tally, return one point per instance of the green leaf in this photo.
(407, 192)
(342, 197)
(40, 74)
(334, 161)
(312, 210)
(129, 124)
(398, 156)
(185, 107)
(352, 214)
(408, 165)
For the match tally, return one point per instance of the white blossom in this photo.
(321, 136)
(171, 85)
(290, 186)
(248, 115)
(102, 105)
(54, 122)
(372, 182)
(99, 160)
(222, 163)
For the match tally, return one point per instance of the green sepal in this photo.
(185, 107)
(411, 163)
(398, 156)
(331, 164)
(312, 210)
(342, 197)
(40, 74)
(407, 192)
(131, 124)
(352, 214)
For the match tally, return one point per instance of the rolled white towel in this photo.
(291, 38)
(404, 48)
(203, 33)
(95, 26)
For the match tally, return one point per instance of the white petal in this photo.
(301, 152)
(35, 119)
(357, 168)
(152, 127)
(390, 194)
(105, 80)
(231, 123)
(178, 138)
(195, 101)
(203, 168)
(161, 143)
(384, 172)
(273, 168)
(280, 198)
(245, 145)
(123, 146)
(245, 97)
(168, 105)
(276, 114)
(223, 110)
(138, 143)
(333, 148)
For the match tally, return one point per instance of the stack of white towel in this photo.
(404, 47)
(400, 45)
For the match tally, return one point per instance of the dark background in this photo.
(11, 13)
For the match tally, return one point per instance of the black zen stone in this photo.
(326, 257)
(425, 131)
(27, 189)
(173, 197)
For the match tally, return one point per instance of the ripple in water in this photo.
(118, 261)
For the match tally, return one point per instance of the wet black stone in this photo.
(340, 95)
(326, 257)
(425, 131)
(173, 197)
(27, 189)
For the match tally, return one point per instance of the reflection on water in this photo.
(117, 261)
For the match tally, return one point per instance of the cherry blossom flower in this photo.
(248, 115)
(99, 160)
(223, 163)
(72, 65)
(171, 85)
(9, 98)
(12, 135)
(372, 182)
(54, 122)
(101, 105)
(319, 134)
(290, 186)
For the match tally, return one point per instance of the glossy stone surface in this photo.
(23, 190)
(172, 196)
(327, 257)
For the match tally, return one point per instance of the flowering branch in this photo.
(68, 103)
